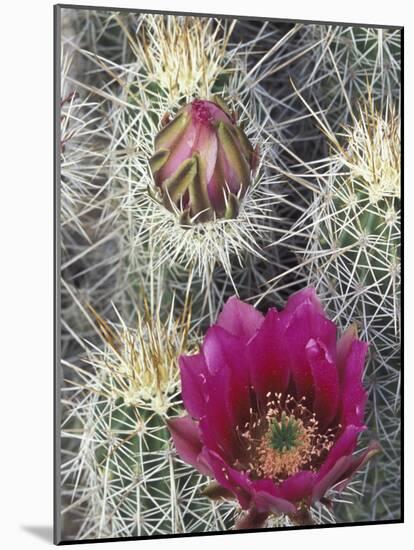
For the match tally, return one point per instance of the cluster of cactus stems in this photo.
(351, 232)
(294, 180)
(355, 257)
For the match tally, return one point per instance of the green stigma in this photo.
(285, 434)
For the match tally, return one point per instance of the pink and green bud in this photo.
(203, 162)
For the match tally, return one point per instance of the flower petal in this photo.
(217, 190)
(344, 445)
(193, 371)
(267, 503)
(269, 498)
(186, 437)
(233, 162)
(298, 487)
(340, 474)
(358, 462)
(344, 347)
(325, 377)
(269, 370)
(233, 480)
(302, 321)
(240, 319)
(172, 132)
(304, 296)
(331, 478)
(354, 395)
(181, 151)
(217, 426)
(223, 351)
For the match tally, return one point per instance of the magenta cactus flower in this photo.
(203, 162)
(275, 407)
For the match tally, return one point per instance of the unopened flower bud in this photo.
(202, 164)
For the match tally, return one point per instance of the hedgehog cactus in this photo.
(372, 235)
(164, 196)
(353, 258)
(358, 220)
(351, 63)
(133, 482)
(184, 57)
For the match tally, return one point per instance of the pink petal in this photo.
(223, 351)
(233, 179)
(330, 478)
(216, 189)
(358, 462)
(239, 318)
(325, 378)
(298, 487)
(193, 371)
(302, 324)
(217, 426)
(269, 498)
(340, 474)
(269, 370)
(305, 296)
(233, 480)
(227, 392)
(344, 445)
(354, 395)
(267, 503)
(186, 437)
(206, 144)
(179, 153)
(344, 347)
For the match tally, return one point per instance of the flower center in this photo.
(201, 111)
(284, 434)
(283, 440)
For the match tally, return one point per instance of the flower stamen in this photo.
(284, 440)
